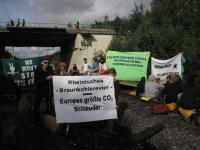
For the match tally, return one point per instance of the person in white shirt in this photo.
(152, 88)
(86, 67)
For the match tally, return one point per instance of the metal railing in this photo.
(83, 28)
(50, 25)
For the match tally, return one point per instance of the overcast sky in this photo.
(65, 11)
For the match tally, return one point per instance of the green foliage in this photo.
(172, 26)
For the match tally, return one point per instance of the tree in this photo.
(172, 26)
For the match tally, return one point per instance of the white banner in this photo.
(84, 98)
(162, 68)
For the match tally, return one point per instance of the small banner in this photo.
(84, 98)
(128, 65)
(162, 68)
(21, 70)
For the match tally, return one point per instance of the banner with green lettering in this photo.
(129, 66)
(21, 70)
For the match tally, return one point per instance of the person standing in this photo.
(103, 66)
(12, 23)
(77, 24)
(43, 82)
(111, 123)
(95, 66)
(74, 71)
(63, 70)
(23, 23)
(18, 23)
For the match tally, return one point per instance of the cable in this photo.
(84, 12)
(85, 6)
(118, 5)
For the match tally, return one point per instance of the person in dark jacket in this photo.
(171, 91)
(9, 97)
(12, 24)
(140, 87)
(189, 103)
(18, 23)
(8, 88)
(74, 71)
(43, 82)
(23, 23)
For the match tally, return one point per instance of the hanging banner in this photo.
(162, 68)
(129, 65)
(21, 70)
(84, 98)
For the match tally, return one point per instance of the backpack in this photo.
(160, 109)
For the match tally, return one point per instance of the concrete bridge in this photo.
(75, 43)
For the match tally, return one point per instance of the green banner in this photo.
(21, 70)
(130, 66)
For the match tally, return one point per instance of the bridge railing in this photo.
(50, 25)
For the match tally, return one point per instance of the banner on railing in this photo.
(21, 70)
(162, 68)
(84, 98)
(128, 65)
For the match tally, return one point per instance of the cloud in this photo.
(86, 11)
(60, 6)
(60, 10)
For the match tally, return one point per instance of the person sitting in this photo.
(171, 92)
(152, 89)
(188, 103)
(168, 78)
(179, 85)
(140, 87)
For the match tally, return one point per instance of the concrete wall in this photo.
(86, 46)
